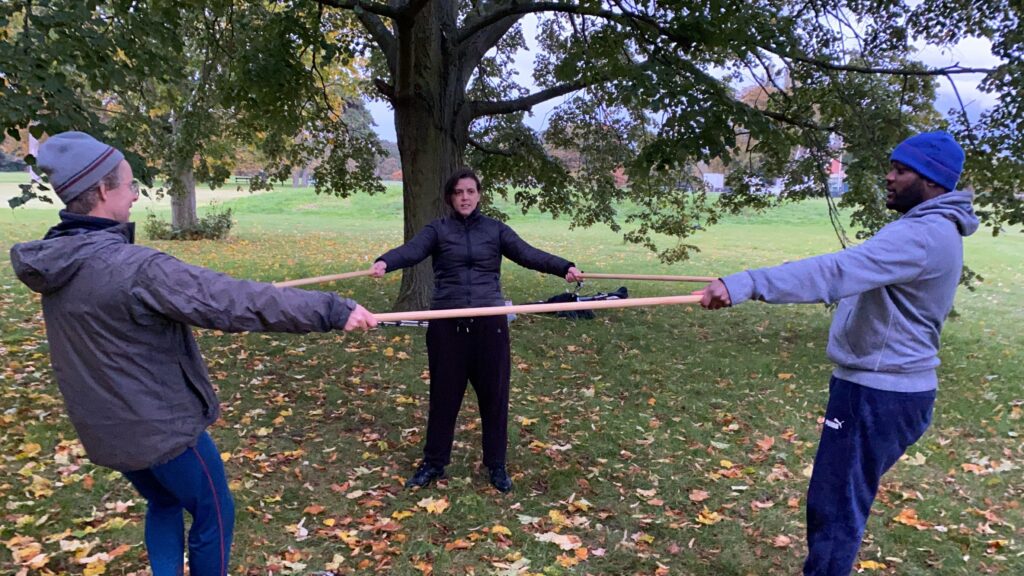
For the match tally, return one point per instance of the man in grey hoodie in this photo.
(894, 292)
(134, 383)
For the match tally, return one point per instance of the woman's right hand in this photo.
(378, 269)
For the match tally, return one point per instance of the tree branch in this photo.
(948, 70)
(489, 108)
(488, 150)
(472, 26)
(359, 6)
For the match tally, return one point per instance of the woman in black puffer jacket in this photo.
(467, 248)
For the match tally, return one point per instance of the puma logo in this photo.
(835, 423)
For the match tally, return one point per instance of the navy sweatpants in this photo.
(865, 433)
(461, 350)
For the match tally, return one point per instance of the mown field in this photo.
(665, 440)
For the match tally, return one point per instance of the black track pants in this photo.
(474, 350)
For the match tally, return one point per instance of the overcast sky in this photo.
(970, 53)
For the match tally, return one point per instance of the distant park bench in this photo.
(239, 179)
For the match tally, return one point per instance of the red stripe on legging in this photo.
(216, 501)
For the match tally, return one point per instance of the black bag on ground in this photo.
(619, 294)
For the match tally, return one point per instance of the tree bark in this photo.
(183, 199)
(432, 129)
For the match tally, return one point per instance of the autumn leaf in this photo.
(782, 541)
(564, 541)
(458, 544)
(870, 565)
(908, 516)
(708, 518)
(766, 443)
(313, 509)
(433, 505)
(499, 529)
(698, 495)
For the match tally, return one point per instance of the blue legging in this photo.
(193, 481)
(865, 433)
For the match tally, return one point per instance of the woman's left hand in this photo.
(574, 275)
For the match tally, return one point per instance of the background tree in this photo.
(184, 85)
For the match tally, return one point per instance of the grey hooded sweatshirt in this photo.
(894, 292)
(117, 320)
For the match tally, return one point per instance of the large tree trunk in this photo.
(432, 135)
(183, 199)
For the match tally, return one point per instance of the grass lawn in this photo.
(665, 440)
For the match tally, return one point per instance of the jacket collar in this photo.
(473, 216)
(73, 224)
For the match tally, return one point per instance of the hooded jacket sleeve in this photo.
(517, 250)
(412, 252)
(201, 297)
(896, 254)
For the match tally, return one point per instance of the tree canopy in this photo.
(649, 91)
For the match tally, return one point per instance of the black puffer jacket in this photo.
(467, 259)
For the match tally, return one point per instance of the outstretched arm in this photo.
(519, 251)
(895, 255)
(197, 296)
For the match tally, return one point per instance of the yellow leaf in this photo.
(785, 376)
(434, 505)
(28, 450)
(557, 518)
(401, 514)
(707, 517)
(389, 351)
(726, 463)
(95, 568)
(499, 529)
(870, 565)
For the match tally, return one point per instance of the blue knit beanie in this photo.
(933, 155)
(75, 162)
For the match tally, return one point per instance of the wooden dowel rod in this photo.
(319, 279)
(659, 277)
(535, 308)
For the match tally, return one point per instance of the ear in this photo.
(104, 192)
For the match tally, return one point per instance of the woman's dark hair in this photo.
(449, 186)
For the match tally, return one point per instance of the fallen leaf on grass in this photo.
(564, 541)
(434, 505)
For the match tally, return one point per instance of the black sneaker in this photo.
(424, 475)
(500, 479)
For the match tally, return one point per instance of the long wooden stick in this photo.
(319, 279)
(535, 308)
(659, 277)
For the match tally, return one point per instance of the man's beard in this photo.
(909, 197)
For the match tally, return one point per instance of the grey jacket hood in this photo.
(49, 264)
(954, 206)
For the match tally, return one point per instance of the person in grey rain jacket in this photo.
(894, 292)
(467, 248)
(134, 383)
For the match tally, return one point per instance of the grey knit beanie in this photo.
(75, 162)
